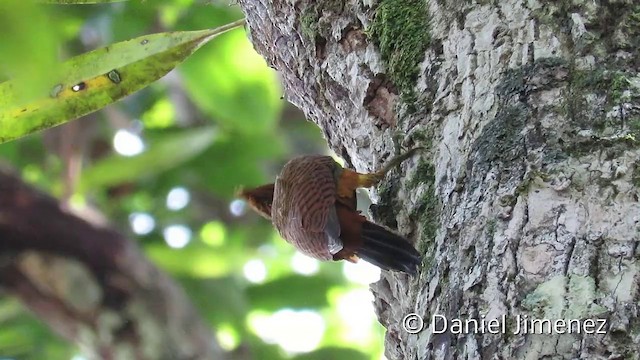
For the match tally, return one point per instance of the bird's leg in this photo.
(351, 180)
(368, 180)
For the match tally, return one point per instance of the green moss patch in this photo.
(400, 30)
(310, 17)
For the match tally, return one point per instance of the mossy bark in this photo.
(91, 285)
(526, 201)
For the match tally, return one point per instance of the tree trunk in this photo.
(91, 285)
(525, 202)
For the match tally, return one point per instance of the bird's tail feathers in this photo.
(387, 250)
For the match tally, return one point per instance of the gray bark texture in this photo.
(525, 202)
(91, 285)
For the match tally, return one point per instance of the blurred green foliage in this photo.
(216, 123)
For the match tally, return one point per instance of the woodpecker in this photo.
(313, 205)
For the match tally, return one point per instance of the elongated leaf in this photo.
(20, 40)
(77, 2)
(167, 152)
(93, 80)
(234, 86)
(334, 353)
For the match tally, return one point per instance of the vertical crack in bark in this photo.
(615, 289)
(567, 263)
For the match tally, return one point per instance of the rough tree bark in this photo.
(526, 202)
(91, 285)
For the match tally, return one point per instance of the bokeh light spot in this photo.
(178, 198)
(255, 271)
(357, 306)
(177, 236)
(361, 273)
(294, 331)
(228, 338)
(304, 265)
(238, 207)
(213, 233)
(142, 223)
(127, 143)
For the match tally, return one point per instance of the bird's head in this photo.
(259, 199)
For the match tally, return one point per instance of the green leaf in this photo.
(333, 353)
(164, 153)
(232, 83)
(77, 2)
(302, 293)
(22, 39)
(93, 80)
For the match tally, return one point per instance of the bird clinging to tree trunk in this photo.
(313, 206)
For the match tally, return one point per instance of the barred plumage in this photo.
(313, 206)
(303, 201)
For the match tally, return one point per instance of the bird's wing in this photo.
(332, 231)
(285, 212)
(304, 199)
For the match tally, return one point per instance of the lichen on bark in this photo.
(530, 114)
(311, 15)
